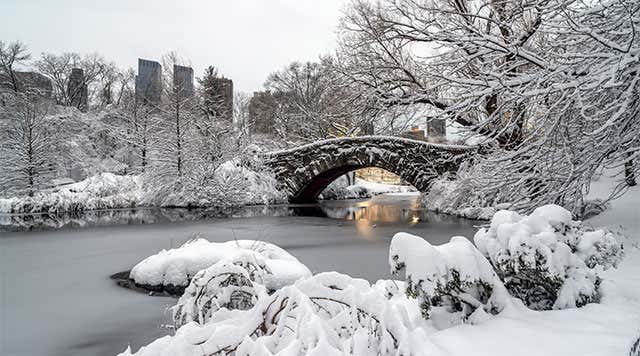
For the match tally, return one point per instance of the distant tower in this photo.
(77, 90)
(436, 130)
(183, 80)
(226, 96)
(261, 113)
(149, 81)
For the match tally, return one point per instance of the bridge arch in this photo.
(305, 171)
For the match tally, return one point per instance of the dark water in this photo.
(56, 297)
(400, 208)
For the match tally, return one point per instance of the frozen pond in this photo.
(56, 297)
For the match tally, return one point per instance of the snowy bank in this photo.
(171, 270)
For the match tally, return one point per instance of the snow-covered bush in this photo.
(546, 259)
(222, 187)
(171, 270)
(454, 282)
(233, 283)
(103, 191)
(327, 314)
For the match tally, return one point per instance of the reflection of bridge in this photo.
(305, 171)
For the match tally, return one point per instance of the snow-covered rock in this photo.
(547, 259)
(173, 268)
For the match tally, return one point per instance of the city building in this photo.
(261, 116)
(183, 80)
(149, 81)
(77, 90)
(436, 130)
(226, 97)
(27, 82)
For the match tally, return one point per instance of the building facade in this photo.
(77, 90)
(149, 81)
(27, 82)
(183, 81)
(261, 115)
(226, 97)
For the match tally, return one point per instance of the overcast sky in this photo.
(245, 39)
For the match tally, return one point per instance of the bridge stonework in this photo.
(305, 171)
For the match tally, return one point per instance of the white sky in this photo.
(245, 39)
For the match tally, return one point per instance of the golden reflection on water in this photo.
(366, 215)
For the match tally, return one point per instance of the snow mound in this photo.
(175, 267)
(546, 259)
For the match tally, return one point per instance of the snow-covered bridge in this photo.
(305, 171)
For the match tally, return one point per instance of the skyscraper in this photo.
(183, 80)
(149, 81)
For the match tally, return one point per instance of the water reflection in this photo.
(366, 214)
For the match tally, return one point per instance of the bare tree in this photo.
(176, 115)
(58, 69)
(311, 102)
(11, 54)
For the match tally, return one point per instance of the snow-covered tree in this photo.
(26, 143)
(553, 83)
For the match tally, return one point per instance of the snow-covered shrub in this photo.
(546, 259)
(454, 282)
(233, 283)
(171, 270)
(327, 314)
(222, 187)
(103, 191)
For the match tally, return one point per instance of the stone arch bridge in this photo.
(305, 171)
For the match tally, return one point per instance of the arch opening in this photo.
(351, 181)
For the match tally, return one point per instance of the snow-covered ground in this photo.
(335, 314)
